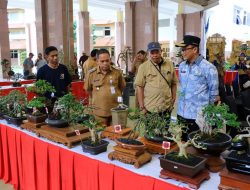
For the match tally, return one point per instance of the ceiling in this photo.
(166, 7)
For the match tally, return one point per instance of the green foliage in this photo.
(15, 103)
(40, 87)
(23, 56)
(218, 115)
(71, 110)
(37, 102)
(152, 123)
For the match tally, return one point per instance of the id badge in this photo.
(112, 88)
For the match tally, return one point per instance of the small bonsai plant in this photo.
(95, 145)
(16, 78)
(216, 117)
(35, 104)
(182, 162)
(40, 87)
(154, 126)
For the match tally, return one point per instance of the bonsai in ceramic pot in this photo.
(181, 162)
(36, 104)
(95, 144)
(16, 102)
(41, 88)
(154, 126)
(212, 133)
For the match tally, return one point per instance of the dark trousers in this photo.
(191, 126)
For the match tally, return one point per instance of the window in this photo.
(107, 31)
(17, 33)
(14, 53)
(245, 18)
(16, 16)
(237, 19)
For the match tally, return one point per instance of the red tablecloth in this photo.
(230, 77)
(77, 90)
(32, 164)
(9, 83)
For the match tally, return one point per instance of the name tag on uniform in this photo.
(112, 88)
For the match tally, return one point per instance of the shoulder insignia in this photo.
(92, 70)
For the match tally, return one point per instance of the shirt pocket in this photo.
(152, 79)
(97, 83)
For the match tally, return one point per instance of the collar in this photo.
(99, 70)
(197, 61)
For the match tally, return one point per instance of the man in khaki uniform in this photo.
(156, 82)
(104, 84)
(90, 63)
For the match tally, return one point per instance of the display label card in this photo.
(117, 128)
(166, 145)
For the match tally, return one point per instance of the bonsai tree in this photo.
(16, 78)
(40, 87)
(95, 129)
(35, 104)
(152, 124)
(71, 110)
(215, 118)
(16, 102)
(175, 130)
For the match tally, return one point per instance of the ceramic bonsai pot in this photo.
(157, 139)
(130, 144)
(36, 119)
(214, 145)
(87, 146)
(58, 123)
(187, 167)
(15, 121)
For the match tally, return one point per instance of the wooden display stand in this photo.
(232, 180)
(129, 156)
(32, 127)
(156, 148)
(194, 182)
(110, 133)
(213, 163)
(66, 136)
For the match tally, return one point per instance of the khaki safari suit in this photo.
(88, 65)
(105, 89)
(157, 92)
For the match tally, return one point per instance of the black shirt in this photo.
(59, 78)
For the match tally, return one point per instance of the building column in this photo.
(4, 36)
(54, 26)
(141, 23)
(83, 34)
(119, 34)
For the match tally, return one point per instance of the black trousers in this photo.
(191, 126)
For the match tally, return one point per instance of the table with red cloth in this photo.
(6, 82)
(77, 90)
(33, 163)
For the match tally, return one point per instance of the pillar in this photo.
(141, 23)
(54, 26)
(83, 34)
(119, 34)
(4, 35)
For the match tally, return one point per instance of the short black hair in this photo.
(93, 52)
(102, 51)
(142, 52)
(49, 49)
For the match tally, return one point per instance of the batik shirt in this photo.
(198, 87)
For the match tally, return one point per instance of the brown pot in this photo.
(36, 118)
(189, 168)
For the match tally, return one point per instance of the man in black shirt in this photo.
(55, 73)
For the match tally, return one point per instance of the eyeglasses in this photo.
(185, 49)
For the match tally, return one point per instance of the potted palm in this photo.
(95, 144)
(181, 162)
(214, 118)
(16, 102)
